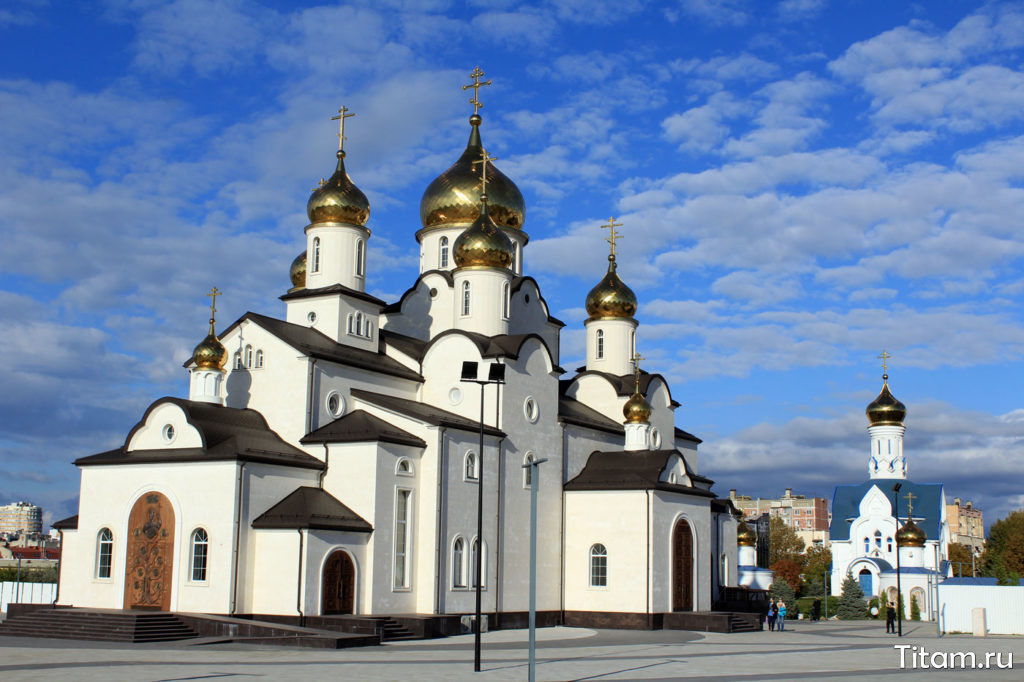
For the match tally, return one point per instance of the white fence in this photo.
(26, 593)
(1004, 608)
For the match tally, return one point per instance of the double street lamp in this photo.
(899, 589)
(495, 375)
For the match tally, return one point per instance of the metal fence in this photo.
(26, 593)
(1004, 608)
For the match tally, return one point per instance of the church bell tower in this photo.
(885, 419)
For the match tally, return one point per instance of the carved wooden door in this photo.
(339, 584)
(149, 571)
(682, 567)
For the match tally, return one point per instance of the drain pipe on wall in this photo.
(238, 538)
(327, 458)
(442, 471)
(309, 396)
(298, 586)
(60, 565)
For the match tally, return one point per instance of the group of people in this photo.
(776, 614)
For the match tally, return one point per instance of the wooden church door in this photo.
(682, 567)
(149, 568)
(339, 584)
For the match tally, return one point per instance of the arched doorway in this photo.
(864, 578)
(682, 567)
(149, 566)
(339, 584)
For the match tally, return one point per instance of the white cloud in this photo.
(714, 12)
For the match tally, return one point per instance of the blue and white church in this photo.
(871, 521)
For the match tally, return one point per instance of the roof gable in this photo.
(360, 426)
(312, 508)
(423, 412)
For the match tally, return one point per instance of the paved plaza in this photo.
(805, 651)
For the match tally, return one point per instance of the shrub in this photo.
(851, 601)
(780, 589)
(915, 610)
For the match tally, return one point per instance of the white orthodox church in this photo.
(873, 521)
(328, 462)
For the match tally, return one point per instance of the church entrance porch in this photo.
(149, 565)
(682, 567)
(339, 584)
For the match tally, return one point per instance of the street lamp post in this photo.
(899, 588)
(533, 466)
(495, 375)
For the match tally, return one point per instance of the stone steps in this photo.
(98, 626)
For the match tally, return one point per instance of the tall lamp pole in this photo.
(533, 466)
(495, 375)
(899, 588)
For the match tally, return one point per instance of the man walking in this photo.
(771, 614)
(890, 619)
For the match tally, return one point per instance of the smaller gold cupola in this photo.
(297, 272)
(337, 199)
(611, 298)
(637, 410)
(885, 410)
(211, 354)
(911, 535)
(483, 244)
(745, 535)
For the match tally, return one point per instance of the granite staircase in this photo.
(391, 630)
(125, 626)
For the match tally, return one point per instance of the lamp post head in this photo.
(496, 374)
(469, 371)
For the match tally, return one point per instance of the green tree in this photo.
(851, 601)
(915, 610)
(783, 542)
(780, 589)
(960, 557)
(817, 560)
(1004, 549)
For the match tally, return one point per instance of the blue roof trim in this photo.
(847, 498)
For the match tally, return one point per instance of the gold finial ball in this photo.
(911, 535)
(636, 410)
(298, 271)
(210, 353)
(886, 410)
(475, 120)
(483, 244)
(338, 200)
(611, 298)
(745, 535)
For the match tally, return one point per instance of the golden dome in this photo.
(885, 410)
(910, 535)
(298, 272)
(611, 297)
(745, 535)
(338, 200)
(636, 410)
(483, 244)
(210, 353)
(452, 198)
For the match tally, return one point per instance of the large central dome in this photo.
(453, 198)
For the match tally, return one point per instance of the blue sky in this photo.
(801, 185)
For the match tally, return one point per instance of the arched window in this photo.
(359, 323)
(248, 356)
(238, 360)
(878, 539)
(442, 258)
(404, 467)
(867, 545)
(598, 566)
(474, 558)
(528, 471)
(632, 344)
(104, 552)
(200, 550)
(515, 260)
(459, 563)
(471, 473)
(316, 255)
(888, 544)
(259, 359)
(506, 300)
(360, 258)
(350, 323)
(369, 327)
(465, 298)
(600, 344)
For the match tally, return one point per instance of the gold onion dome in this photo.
(885, 410)
(611, 297)
(210, 353)
(745, 535)
(338, 200)
(910, 535)
(298, 272)
(452, 198)
(636, 410)
(483, 244)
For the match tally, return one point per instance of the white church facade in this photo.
(329, 462)
(874, 520)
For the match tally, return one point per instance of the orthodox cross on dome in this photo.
(319, 185)
(884, 357)
(476, 85)
(484, 158)
(214, 293)
(636, 368)
(910, 505)
(613, 236)
(340, 118)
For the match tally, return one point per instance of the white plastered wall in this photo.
(618, 347)
(337, 255)
(486, 296)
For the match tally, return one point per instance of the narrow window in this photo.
(104, 552)
(888, 544)
(867, 545)
(890, 446)
(598, 566)
(505, 300)
(632, 344)
(259, 359)
(528, 471)
(515, 260)
(465, 298)
(248, 356)
(878, 539)
(359, 323)
(350, 323)
(366, 331)
(600, 344)
(360, 257)
(471, 466)
(238, 360)
(200, 547)
(401, 537)
(316, 255)
(443, 257)
(474, 560)
(459, 563)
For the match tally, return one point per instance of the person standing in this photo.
(772, 610)
(890, 619)
(780, 618)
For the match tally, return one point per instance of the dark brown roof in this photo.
(227, 433)
(572, 411)
(625, 470)
(684, 435)
(409, 345)
(623, 385)
(316, 344)
(70, 523)
(333, 289)
(501, 346)
(423, 412)
(313, 508)
(360, 426)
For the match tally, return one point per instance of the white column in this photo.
(887, 459)
(336, 254)
(205, 386)
(611, 344)
(484, 306)
(637, 436)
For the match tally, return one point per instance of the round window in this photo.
(455, 396)
(531, 410)
(335, 404)
(168, 433)
(311, 317)
(433, 293)
(655, 438)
